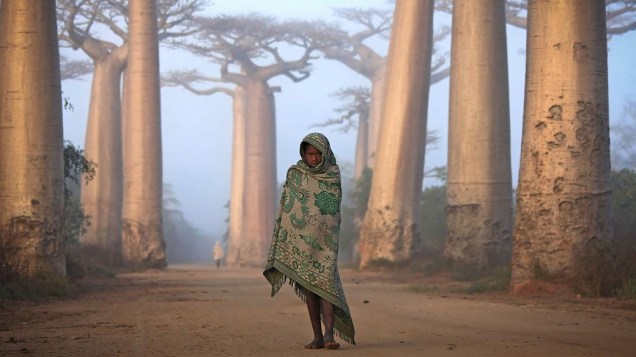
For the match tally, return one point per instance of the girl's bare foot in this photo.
(317, 343)
(331, 344)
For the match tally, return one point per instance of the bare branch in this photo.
(80, 17)
(187, 80)
(356, 104)
(252, 42)
(73, 69)
(354, 52)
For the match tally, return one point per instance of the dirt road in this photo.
(204, 311)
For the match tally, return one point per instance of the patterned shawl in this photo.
(304, 245)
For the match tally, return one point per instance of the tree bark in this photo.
(260, 173)
(102, 197)
(378, 95)
(362, 146)
(142, 240)
(390, 231)
(563, 200)
(236, 238)
(31, 140)
(479, 198)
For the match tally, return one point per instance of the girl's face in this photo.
(313, 156)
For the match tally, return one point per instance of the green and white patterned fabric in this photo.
(304, 247)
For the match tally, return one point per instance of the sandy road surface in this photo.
(202, 311)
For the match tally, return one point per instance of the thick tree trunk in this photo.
(102, 197)
(362, 147)
(260, 174)
(236, 237)
(378, 95)
(31, 141)
(390, 231)
(479, 199)
(142, 239)
(563, 199)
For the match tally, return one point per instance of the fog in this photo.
(197, 130)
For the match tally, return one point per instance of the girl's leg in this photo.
(328, 317)
(313, 307)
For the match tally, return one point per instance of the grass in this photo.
(424, 289)
(37, 287)
(493, 280)
(628, 290)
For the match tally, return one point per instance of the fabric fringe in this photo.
(278, 283)
(343, 336)
(280, 280)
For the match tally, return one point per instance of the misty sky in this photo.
(197, 130)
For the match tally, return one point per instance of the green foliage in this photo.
(75, 220)
(439, 172)
(624, 206)
(349, 228)
(75, 164)
(41, 285)
(604, 268)
(361, 191)
(625, 272)
(595, 269)
(433, 213)
(82, 261)
(624, 247)
(433, 219)
(68, 105)
(496, 279)
(628, 290)
(12, 284)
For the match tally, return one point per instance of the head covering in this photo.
(304, 248)
(320, 142)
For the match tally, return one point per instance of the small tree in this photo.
(433, 210)
(624, 211)
(75, 165)
(623, 151)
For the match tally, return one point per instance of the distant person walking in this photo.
(304, 248)
(217, 254)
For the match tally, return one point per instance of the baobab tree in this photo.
(390, 230)
(142, 237)
(621, 16)
(354, 113)
(31, 142)
(102, 199)
(187, 80)
(362, 58)
(356, 51)
(563, 217)
(479, 193)
(246, 48)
